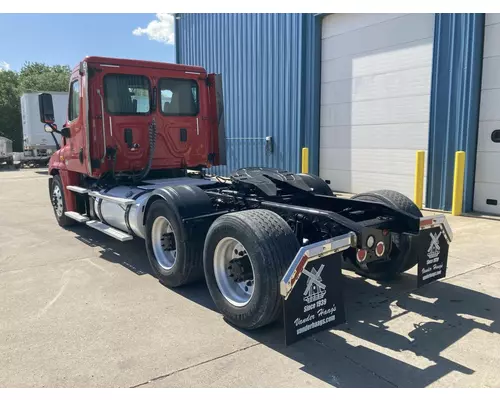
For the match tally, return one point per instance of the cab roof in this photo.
(143, 64)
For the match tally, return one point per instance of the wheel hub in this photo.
(241, 269)
(163, 242)
(57, 202)
(168, 240)
(234, 272)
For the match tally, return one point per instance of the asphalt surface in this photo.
(79, 309)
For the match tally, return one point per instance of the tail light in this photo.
(380, 249)
(361, 255)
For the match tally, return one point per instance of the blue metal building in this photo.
(312, 80)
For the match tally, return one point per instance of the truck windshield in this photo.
(178, 97)
(127, 94)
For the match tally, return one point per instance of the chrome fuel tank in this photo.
(128, 219)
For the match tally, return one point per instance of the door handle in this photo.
(495, 136)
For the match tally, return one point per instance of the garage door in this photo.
(487, 181)
(375, 99)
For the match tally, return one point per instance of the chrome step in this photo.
(76, 216)
(110, 231)
(112, 199)
(77, 189)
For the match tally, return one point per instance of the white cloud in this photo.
(161, 29)
(4, 66)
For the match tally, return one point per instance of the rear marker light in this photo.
(361, 255)
(380, 249)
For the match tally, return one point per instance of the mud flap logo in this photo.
(315, 302)
(433, 256)
(434, 247)
(315, 289)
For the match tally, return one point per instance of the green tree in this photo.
(36, 77)
(10, 109)
(33, 77)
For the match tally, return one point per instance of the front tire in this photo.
(248, 249)
(59, 202)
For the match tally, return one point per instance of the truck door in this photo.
(74, 146)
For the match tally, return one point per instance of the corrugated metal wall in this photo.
(271, 73)
(312, 87)
(456, 87)
(261, 58)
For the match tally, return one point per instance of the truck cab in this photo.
(122, 112)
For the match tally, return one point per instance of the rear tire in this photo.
(59, 202)
(268, 245)
(404, 249)
(176, 258)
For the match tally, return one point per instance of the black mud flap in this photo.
(312, 289)
(433, 250)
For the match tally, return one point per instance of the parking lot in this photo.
(79, 309)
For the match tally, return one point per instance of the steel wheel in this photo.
(163, 241)
(57, 201)
(233, 272)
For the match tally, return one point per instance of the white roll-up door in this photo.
(375, 99)
(487, 180)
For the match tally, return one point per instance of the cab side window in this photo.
(74, 100)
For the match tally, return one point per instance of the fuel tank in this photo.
(128, 219)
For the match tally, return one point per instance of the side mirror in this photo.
(46, 108)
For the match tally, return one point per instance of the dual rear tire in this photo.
(244, 255)
(243, 258)
(252, 247)
(404, 249)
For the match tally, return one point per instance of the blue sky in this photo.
(68, 38)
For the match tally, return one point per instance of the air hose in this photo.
(152, 145)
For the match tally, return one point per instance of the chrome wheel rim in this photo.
(234, 272)
(164, 243)
(57, 201)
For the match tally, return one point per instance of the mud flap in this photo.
(433, 245)
(312, 289)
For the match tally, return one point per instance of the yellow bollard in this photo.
(418, 191)
(305, 160)
(458, 183)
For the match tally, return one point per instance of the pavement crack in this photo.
(194, 365)
(446, 278)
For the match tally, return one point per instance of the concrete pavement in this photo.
(78, 309)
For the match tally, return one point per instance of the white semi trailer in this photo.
(38, 145)
(6, 154)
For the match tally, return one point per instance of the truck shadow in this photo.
(396, 335)
(132, 256)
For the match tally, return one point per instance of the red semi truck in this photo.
(132, 162)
